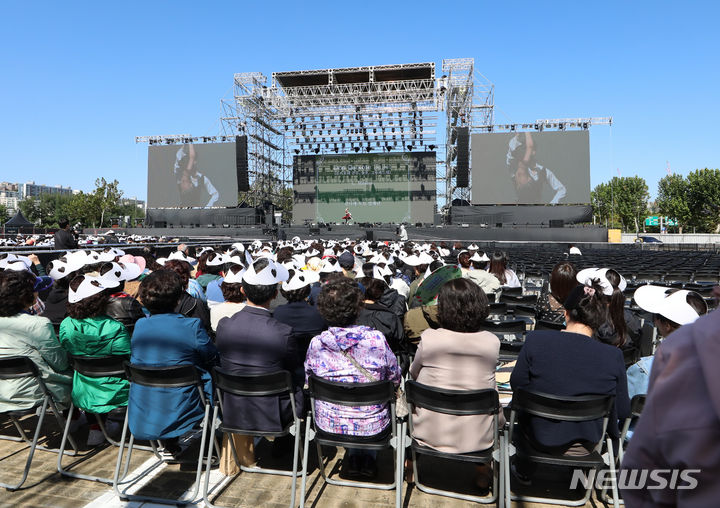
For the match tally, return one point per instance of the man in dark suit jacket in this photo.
(253, 342)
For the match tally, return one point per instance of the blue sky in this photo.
(81, 79)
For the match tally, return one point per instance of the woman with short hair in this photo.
(89, 331)
(164, 339)
(329, 356)
(24, 334)
(457, 356)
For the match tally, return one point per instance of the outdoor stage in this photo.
(507, 233)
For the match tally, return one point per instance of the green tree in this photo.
(4, 216)
(703, 199)
(672, 200)
(623, 199)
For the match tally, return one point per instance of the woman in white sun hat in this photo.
(671, 309)
(89, 331)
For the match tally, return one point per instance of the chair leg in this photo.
(309, 434)
(399, 465)
(296, 450)
(31, 452)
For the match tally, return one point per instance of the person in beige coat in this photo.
(457, 356)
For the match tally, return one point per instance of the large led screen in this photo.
(373, 187)
(192, 175)
(531, 168)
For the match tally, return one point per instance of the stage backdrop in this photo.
(375, 187)
(202, 175)
(531, 168)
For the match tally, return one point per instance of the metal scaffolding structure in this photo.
(387, 108)
(468, 102)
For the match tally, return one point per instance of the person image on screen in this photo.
(195, 188)
(528, 176)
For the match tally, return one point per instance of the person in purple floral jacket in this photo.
(339, 303)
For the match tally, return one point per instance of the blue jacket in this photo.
(164, 340)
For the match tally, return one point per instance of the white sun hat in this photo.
(90, 286)
(379, 272)
(234, 275)
(479, 259)
(14, 258)
(671, 305)
(587, 275)
(180, 256)
(271, 274)
(58, 269)
(217, 259)
(300, 279)
(330, 265)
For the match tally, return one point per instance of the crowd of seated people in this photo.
(347, 311)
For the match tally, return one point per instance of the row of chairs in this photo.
(382, 392)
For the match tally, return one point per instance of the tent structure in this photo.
(19, 221)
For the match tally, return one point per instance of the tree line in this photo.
(92, 209)
(693, 201)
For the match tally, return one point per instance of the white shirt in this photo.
(223, 310)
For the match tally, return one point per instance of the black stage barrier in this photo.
(520, 214)
(196, 217)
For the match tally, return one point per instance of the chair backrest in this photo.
(99, 366)
(548, 325)
(565, 408)
(497, 308)
(522, 310)
(504, 326)
(452, 402)
(518, 299)
(253, 385)
(14, 367)
(637, 404)
(506, 291)
(173, 376)
(351, 394)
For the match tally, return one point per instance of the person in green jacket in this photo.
(23, 334)
(87, 331)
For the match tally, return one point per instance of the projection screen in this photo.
(192, 175)
(531, 168)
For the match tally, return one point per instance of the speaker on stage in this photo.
(160, 224)
(369, 235)
(463, 157)
(557, 223)
(241, 163)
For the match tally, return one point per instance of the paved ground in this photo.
(46, 488)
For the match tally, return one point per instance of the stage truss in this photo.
(388, 108)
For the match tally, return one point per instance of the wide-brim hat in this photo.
(670, 304)
(587, 275)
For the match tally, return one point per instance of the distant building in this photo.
(9, 199)
(31, 189)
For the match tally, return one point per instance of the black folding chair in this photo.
(459, 403)
(637, 404)
(354, 394)
(176, 376)
(548, 325)
(566, 409)
(518, 299)
(18, 367)
(506, 330)
(253, 385)
(497, 308)
(99, 366)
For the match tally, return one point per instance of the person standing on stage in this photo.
(347, 217)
